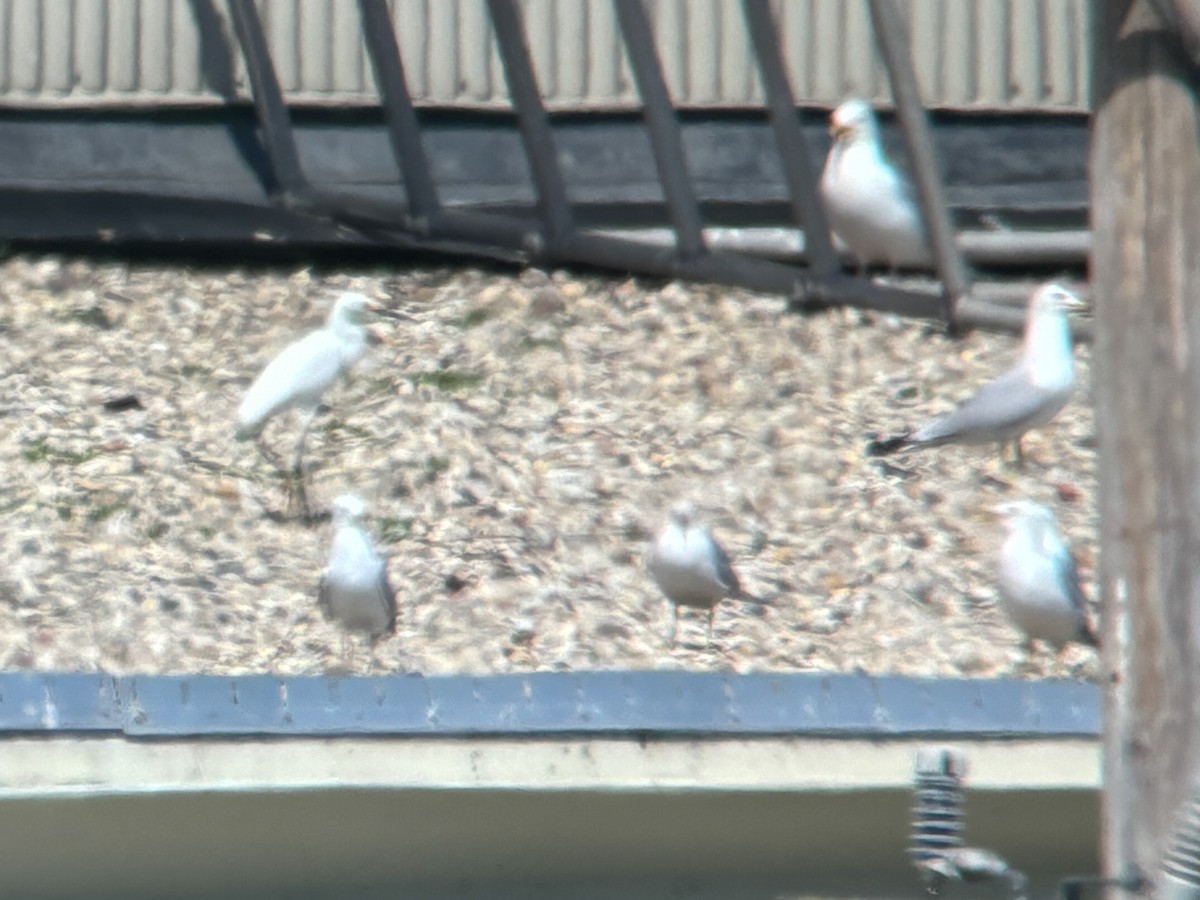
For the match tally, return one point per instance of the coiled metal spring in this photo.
(939, 848)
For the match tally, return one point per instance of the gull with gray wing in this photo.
(690, 567)
(1039, 583)
(354, 588)
(1027, 396)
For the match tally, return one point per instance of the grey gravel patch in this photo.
(516, 443)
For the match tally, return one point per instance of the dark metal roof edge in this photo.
(643, 703)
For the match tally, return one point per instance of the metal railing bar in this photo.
(510, 232)
(267, 96)
(798, 170)
(376, 217)
(886, 298)
(534, 124)
(743, 271)
(594, 249)
(891, 37)
(689, 258)
(663, 127)
(998, 248)
(404, 129)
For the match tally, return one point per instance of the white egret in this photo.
(301, 374)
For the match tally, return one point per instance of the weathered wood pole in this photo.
(1145, 199)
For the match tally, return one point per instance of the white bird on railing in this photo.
(690, 567)
(870, 205)
(301, 374)
(1039, 583)
(1026, 396)
(354, 588)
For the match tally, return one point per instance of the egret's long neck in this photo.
(345, 328)
(1048, 350)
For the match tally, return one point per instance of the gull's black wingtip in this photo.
(886, 446)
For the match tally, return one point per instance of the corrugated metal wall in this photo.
(989, 54)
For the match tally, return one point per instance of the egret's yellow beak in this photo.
(838, 131)
(380, 310)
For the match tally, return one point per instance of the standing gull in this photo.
(869, 204)
(690, 567)
(302, 372)
(1039, 584)
(1027, 396)
(354, 587)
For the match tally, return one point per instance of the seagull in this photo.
(690, 567)
(1027, 396)
(354, 587)
(869, 204)
(303, 371)
(1039, 584)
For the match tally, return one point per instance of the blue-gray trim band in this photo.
(647, 703)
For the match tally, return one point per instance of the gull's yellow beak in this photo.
(1074, 303)
(838, 131)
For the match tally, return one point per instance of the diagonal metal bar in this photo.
(268, 103)
(512, 238)
(665, 138)
(404, 129)
(553, 205)
(891, 36)
(381, 219)
(798, 168)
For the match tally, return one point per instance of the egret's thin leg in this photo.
(268, 454)
(298, 466)
(712, 613)
(674, 624)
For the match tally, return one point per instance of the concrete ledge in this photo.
(81, 766)
(600, 785)
(478, 817)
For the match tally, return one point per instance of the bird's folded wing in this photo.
(1069, 577)
(324, 602)
(999, 409)
(303, 369)
(387, 597)
(724, 569)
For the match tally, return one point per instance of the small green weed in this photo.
(450, 380)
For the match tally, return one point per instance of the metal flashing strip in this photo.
(597, 704)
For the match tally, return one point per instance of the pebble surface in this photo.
(518, 443)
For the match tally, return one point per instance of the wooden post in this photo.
(1145, 198)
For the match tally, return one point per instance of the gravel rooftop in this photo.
(517, 444)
